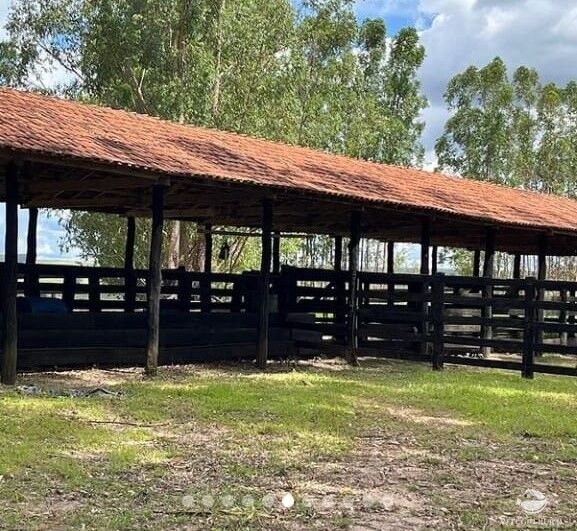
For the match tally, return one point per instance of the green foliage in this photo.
(510, 129)
(314, 77)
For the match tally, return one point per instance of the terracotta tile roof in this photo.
(37, 124)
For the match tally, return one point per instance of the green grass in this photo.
(257, 426)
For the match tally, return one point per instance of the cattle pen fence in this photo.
(527, 325)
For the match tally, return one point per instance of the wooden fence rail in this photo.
(527, 325)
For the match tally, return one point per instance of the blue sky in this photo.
(456, 34)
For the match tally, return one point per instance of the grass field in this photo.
(389, 445)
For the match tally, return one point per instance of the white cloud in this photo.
(4, 7)
(537, 33)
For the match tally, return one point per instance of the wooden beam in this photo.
(264, 286)
(517, 266)
(129, 246)
(476, 263)
(208, 248)
(541, 275)
(425, 245)
(10, 279)
(390, 257)
(31, 238)
(338, 259)
(130, 301)
(154, 280)
(434, 259)
(488, 272)
(205, 284)
(276, 253)
(353, 321)
(542, 257)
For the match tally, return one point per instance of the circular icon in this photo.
(267, 501)
(532, 502)
(248, 501)
(187, 501)
(207, 501)
(227, 501)
(288, 501)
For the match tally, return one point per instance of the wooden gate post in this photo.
(31, 283)
(340, 292)
(488, 272)
(425, 245)
(130, 278)
(154, 280)
(276, 253)
(541, 275)
(437, 314)
(527, 364)
(262, 345)
(205, 283)
(9, 284)
(353, 316)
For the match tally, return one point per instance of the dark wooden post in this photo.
(154, 280)
(437, 313)
(32, 289)
(425, 246)
(541, 275)
(434, 259)
(10, 279)
(205, 284)
(517, 266)
(31, 238)
(276, 253)
(353, 317)
(338, 261)
(488, 272)
(391, 271)
(564, 296)
(130, 287)
(262, 345)
(527, 369)
(477, 263)
(390, 257)
(340, 291)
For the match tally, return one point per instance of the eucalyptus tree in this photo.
(308, 74)
(511, 129)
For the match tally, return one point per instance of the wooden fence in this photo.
(526, 325)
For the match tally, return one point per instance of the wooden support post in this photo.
(527, 364)
(390, 271)
(32, 288)
(477, 263)
(434, 259)
(340, 291)
(130, 278)
(155, 280)
(205, 283)
(353, 317)
(541, 275)
(517, 266)
(10, 279)
(563, 336)
(437, 314)
(276, 253)
(338, 261)
(31, 238)
(390, 257)
(425, 245)
(488, 272)
(262, 345)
